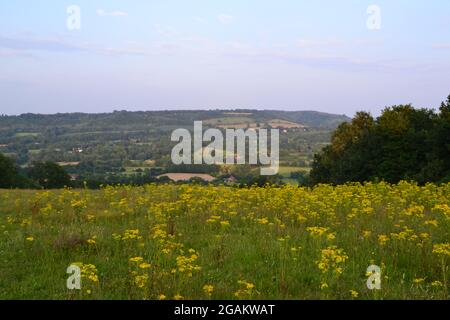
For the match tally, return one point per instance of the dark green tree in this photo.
(49, 175)
(403, 143)
(8, 172)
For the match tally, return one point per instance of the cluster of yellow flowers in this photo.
(208, 289)
(246, 290)
(89, 276)
(332, 259)
(78, 205)
(186, 264)
(215, 219)
(128, 235)
(442, 249)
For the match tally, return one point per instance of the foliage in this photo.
(402, 144)
(49, 175)
(8, 172)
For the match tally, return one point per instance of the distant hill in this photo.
(122, 141)
(36, 122)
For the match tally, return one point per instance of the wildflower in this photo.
(30, 239)
(91, 241)
(136, 259)
(178, 297)
(224, 223)
(367, 234)
(144, 265)
(317, 231)
(246, 289)
(88, 272)
(419, 280)
(442, 249)
(331, 236)
(331, 259)
(323, 286)
(162, 297)
(382, 239)
(141, 280)
(208, 289)
(431, 222)
(437, 284)
(354, 294)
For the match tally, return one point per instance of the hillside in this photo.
(128, 141)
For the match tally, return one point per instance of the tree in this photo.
(8, 173)
(49, 175)
(403, 143)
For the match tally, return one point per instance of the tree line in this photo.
(403, 143)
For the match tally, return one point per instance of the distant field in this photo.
(67, 164)
(232, 122)
(194, 242)
(187, 176)
(26, 134)
(283, 124)
(286, 171)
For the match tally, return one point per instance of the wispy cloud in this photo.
(166, 31)
(335, 42)
(28, 46)
(13, 53)
(441, 45)
(225, 18)
(104, 13)
(320, 42)
(176, 43)
(37, 44)
(199, 19)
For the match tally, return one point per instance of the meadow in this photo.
(216, 242)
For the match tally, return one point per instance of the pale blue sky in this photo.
(192, 54)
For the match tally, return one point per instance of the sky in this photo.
(325, 55)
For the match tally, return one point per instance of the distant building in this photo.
(77, 150)
(230, 180)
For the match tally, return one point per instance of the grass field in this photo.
(194, 242)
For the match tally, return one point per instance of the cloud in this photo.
(104, 13)
(166, 31)
(225, 18)
(319, 42)
(123, 51)
(13, 53)
(198, 19)
(37, 44)
(334, 42)
(27, 46)
(441, 45)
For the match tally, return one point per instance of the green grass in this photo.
(257, 243)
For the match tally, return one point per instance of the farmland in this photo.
(215, 242)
